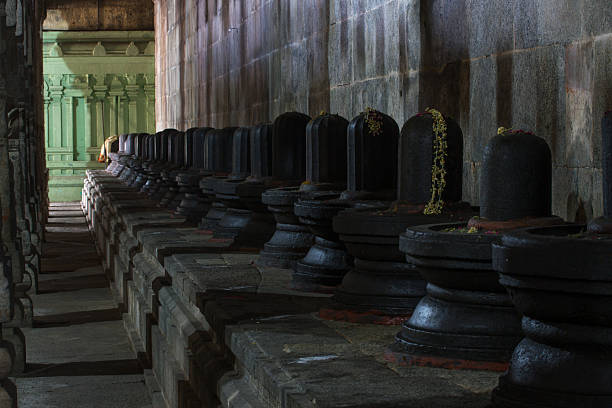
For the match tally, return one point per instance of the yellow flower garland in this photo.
(373, 119)
(438, 169)
(501, 130)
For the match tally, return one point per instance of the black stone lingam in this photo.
(246, 219)
(193, 205)
(327, 260)
(163, 181)
(236, 215)
(603, 224)
(150, 165)
(136, 162)
(291, 240)
(154, 187)
(116, 166)
(381, 287)
(176, 151)
(131, 156)
(559, 280)
(119, 160)
(144, 159)
(220, 141)
(182, 181)
(466, 320)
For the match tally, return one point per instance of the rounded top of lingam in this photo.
(603, 225)
(372, 140)
(261, 151)
(139, 144)
(218, 150)
(178, 149)
(289, 146)
(198, 150)
(122, 139)
(606, 152)
(430, 165)
(516, 177)
(241, 153)
(326, 152)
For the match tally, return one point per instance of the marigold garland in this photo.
(501, 130)
(438, 167)
(373, 119)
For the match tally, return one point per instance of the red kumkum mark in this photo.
(446, 363)
(370, 316)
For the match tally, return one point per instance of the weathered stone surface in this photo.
(215, 327)
(536, 65)
(98, 15)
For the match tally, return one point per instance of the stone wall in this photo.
(540, 65)
(98, 15)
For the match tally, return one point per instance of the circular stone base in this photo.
(192, 207)
(277, 256)
(213, 216)
(393, 288)
(601, 225)
(324, 265)
(232, 222)
(509, 395)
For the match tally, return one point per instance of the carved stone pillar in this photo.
(149, 92)
(56, 92)
(99, 95)
(116, 95)
(132, 90)
(88, 111)
(7, 234)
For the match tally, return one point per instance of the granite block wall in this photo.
(541, 65)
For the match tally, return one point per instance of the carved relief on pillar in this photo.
(56, 93)
(117, 106)
(99, 94)
(76, 89)
(132, 90)
(149, 92)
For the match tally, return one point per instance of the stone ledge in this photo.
(224, 331)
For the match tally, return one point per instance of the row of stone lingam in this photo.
(375, 215)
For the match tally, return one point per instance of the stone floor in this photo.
(78, 353)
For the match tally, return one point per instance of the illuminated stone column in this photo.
(99, 96)
(132, 90)
(116, 95)
(149, 92)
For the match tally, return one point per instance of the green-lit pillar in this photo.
(97, 84)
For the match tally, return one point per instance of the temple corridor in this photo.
(305, 203)
(78, 354)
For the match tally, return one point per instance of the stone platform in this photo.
(78, 353)
(215, 329)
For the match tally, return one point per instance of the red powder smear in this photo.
(220, 240)
(404, 359)
(369, 317)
